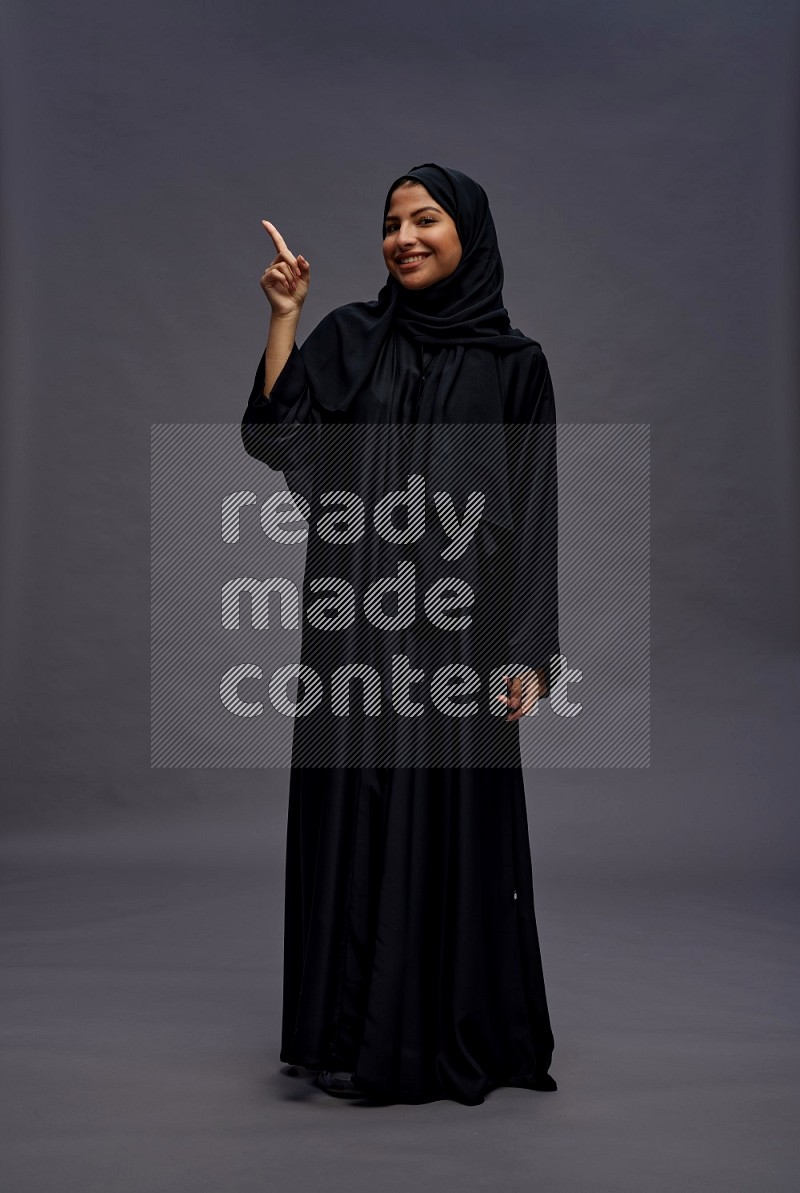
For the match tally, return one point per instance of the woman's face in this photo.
(416, 226)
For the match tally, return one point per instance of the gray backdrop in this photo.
(641, 164)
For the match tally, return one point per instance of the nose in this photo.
(406, 237)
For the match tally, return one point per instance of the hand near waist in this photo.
(523, 691)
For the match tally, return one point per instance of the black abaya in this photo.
(411, 955)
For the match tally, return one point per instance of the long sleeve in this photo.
(284, 430)
(533, 633)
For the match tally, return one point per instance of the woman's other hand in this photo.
(286, 279)
(525, 691)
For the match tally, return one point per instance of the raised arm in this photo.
(285, 281)
(280, 423)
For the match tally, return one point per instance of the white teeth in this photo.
(409, 260)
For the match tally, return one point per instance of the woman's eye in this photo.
(425, 219)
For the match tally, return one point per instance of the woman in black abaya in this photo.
(412, 968)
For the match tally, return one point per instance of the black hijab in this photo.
(462, 310)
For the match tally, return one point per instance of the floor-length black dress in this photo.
(411, 954)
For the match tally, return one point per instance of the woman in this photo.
(412, 968)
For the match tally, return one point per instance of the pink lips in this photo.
(413, 264)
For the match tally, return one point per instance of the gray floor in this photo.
(141, 1015)
(141, 943)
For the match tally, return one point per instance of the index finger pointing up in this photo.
(281, 245)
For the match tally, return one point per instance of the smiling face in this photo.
(417, 227)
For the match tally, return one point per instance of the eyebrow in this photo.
(419, 209)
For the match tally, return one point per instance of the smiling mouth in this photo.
(412, 261)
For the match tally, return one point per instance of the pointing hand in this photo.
(285, 280)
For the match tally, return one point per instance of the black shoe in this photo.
(339, 1084)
